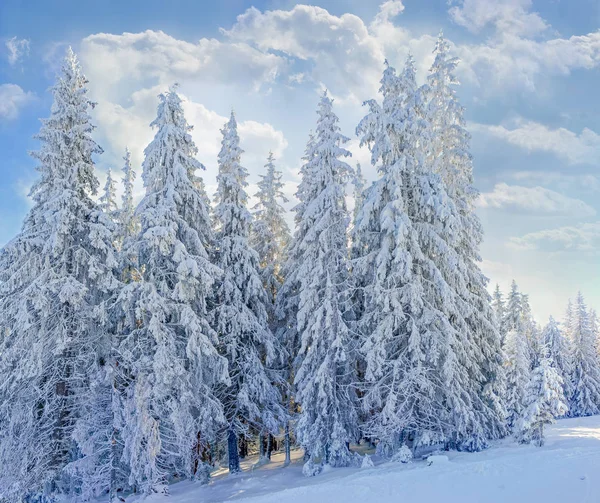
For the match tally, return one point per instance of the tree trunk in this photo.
(243, 447)
(269, 445)
(288, 450)
(232, 447)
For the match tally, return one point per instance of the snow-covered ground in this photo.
(566, 469)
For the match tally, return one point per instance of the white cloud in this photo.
(124, 63)
(346, 57)
(564, 181)
(12, 99)
(17, 50)
(507, 16)
(532, 136)
(580, 238)
(536, 200)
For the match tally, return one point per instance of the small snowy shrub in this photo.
(404, 455)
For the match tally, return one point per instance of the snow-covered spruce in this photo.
(544, 400)
(325, 366)
(449, 155)
(499, 307)
(517, 367)
(108, 199)
(426, 380)
(585, 377)
(129, 225)
(169, 359)
(288, 296)
(558, 348)
(270, 234)
(56, 279)
(252, 399)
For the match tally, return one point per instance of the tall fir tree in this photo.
(424, 381)
(252, 399)
(449, 154)
(324, 369)
(168, 353)
(585, 379)
(56, 278)
(287, 300)
(270, 234)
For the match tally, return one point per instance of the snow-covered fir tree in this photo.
(359, 182)
(108, 199)
(518, 371)
(127, 218)
(56, 277)
(427, 379)
(532, 332)
(325, 366)
(585, 378)
(287, 300)
(252, 400)
(499, 308)
(558, 349)
(270, 235)
(449, 153)
(169, 359)
(543, 402)
(514, 308)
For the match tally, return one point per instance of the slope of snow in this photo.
(566, 469)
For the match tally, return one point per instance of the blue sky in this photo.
(529, 74)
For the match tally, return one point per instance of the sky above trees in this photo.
(529, 72)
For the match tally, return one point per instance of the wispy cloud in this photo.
(575, 148)
(12, 100)
(578, 238)
(18, 49)
(534, 200)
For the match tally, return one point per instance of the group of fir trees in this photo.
(135, 340)
(142, 344)
(550, 372)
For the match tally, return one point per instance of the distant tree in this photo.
(585, 378)
(543, 402)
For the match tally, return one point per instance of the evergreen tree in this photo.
(585, 379)
(287, 300)
(324, 368)
(518, 366)
(558, 349)
(55, 279)
(240, 315)
(423, 379)
(544, 400)
(108, 200)
(270, 233)
(499, 308)
(359, 183)
(514, 308)
(170, 363)
(127, 218)
(449, 155)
